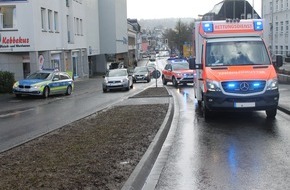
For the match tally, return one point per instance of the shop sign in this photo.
(14, 42)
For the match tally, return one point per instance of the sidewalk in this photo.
(284, 89)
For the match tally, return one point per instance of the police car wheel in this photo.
(68, 90)
(45, 92)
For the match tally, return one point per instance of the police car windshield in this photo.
(180, 66)
(39, 75)
(236, 53)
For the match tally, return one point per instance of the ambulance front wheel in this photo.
(205, 111)
(271, 114)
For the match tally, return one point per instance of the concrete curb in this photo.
(284, 110)
(284, 79)
(138, 177)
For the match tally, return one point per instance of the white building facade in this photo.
(39, 34)
(276, 14)
(113, 31)
(69, 35)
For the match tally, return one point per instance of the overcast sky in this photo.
(151, 9)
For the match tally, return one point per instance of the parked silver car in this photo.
(117, 79)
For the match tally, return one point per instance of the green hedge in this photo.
(6, 81)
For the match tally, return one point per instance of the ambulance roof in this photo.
(229, 28)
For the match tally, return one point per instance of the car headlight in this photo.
(212, 85)
(179, 74)
(36, 86)
(273, 84)
(125, 80)
(15, 85)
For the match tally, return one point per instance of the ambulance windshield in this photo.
(231, 53)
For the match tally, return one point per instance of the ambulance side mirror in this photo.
(193, 65)
(279, 61)
(198, 66)
(191, 62)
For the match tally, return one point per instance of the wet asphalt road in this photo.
(231, 151)
(29, 117)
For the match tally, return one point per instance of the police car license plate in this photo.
(244, 104)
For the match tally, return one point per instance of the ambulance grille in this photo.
(244, 87)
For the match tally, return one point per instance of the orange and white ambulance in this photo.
(234, 70)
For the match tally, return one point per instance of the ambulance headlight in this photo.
(212, 86)
(273, 84)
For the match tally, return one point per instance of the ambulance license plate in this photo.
(244, 104)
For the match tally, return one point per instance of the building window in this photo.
(281, 26)
(78, 25)
(271, 6)
(276, 49)
(277, 5)
(56, 29)
(287, 26)
(49, 20)
(81, 27)
(7, 17)
(282, 5)
(43, 19)
(281, 48)
(277, 26)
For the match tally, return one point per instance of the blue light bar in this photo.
(231, 85)
(207, 26)
(258, 25)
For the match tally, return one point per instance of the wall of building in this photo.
(276, 15)
(103, 31)
(113, 26)
(121, 25)
(35, 44)
(92, 24)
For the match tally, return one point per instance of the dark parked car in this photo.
(116, 65)
(141, 74)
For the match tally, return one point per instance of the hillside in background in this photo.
(162, 23)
